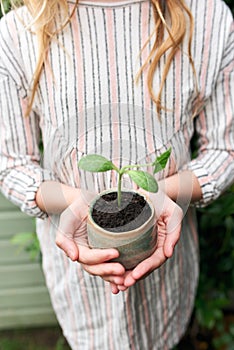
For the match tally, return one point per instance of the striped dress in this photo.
(87, 101)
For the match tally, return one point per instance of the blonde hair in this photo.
(44, 12)
(178, 13)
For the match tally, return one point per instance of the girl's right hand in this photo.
(71, 237)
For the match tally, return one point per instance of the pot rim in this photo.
(130, 232)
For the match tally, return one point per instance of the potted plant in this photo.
(122, 218)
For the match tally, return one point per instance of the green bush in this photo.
(5, 7)
(216, 285)
(230, 4)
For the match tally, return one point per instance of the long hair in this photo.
(178, 14)
(180, 21)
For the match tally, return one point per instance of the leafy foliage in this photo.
(29, 242)
(161, 161)
(143, 180)
(230, 3)
(216, 232)
(98, 163)
(5, 7)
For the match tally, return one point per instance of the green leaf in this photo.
(161, 161)
(143, 180)
(23, 238)
(29, 242)
(95, 163)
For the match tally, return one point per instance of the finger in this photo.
(170, 244)
(129, 279)
(122, 288)
(143, 269)
(68, 246)
(118, 280)
(108, 271)
(171, 239)
(96, 256)
(114, 288)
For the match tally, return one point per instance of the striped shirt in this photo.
(87, 101)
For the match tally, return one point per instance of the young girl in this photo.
(127, 79)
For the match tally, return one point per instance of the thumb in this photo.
(68, 246)
(171, 240)
(173, 230)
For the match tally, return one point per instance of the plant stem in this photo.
(119, 189)
(122, 171)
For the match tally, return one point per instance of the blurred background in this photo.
(27, 320)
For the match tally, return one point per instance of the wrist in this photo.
(53, 197)
(182, 187)
(70, 194)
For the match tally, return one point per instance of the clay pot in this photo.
(134, 245)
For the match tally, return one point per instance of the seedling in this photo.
(96, 163)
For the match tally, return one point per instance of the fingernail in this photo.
(173, 246)
(71, 255)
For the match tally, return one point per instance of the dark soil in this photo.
(133, 212)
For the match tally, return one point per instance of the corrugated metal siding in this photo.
(24, 299)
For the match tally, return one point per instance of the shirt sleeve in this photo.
(214, 165)
(20, 171)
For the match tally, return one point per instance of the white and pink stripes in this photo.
(87, 101)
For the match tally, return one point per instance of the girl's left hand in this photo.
(169, 219)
